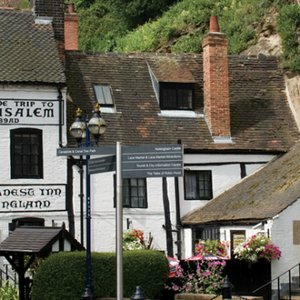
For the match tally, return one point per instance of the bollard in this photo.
(139, 294)
(226, 289)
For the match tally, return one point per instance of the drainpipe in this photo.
(168, 225)
(79, 163)
(59, 97)
(69, 197)
(178, 220)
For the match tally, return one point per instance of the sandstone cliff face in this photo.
(269, 43)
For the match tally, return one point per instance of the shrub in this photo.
(287, 22)
(62, 275)
(9, 291)
(206, 279)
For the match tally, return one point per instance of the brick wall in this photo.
(216, 83)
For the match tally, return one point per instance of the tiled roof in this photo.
(37, 240)
(260, 196)
(260, 115)
(28, 50)
(171, 69)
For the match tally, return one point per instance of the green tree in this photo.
(137, 12)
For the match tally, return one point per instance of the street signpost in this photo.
(86, 151)
(130, 162)
(102, 164)
(152, 161)
(137, 161)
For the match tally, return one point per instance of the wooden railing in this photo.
(6, 276)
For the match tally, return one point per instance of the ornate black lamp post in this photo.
(79, 130)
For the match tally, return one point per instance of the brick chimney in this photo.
(216, 82)
(55, 10)
(71, 28)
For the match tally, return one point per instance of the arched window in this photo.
(26, 153)
(27, 221)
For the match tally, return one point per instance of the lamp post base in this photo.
(88, 294)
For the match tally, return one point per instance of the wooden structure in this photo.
(34, 242)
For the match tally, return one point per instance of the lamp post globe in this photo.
(77, 129)
(96, 124)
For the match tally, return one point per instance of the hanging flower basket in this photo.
(255, 248)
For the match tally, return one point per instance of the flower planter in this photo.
(186, 296)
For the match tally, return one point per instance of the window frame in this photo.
(13, 154)
(208, 192)
(164, 103)
(205, 233)
(103, 93)
(129, 202)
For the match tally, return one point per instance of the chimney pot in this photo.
(71, 9)
(213, 25)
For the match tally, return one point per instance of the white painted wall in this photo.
(21, 101)
(225, 171)
(282, 236)
(103, 223)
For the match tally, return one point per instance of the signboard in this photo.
(32, 198)
(137, 161)
(238, 238)
(86, 151)
(152, 161)
(101, 165)
(29, 112)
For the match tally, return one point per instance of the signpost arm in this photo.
(119, 221)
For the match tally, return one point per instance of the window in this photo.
(26, 153)
(198, 185)
(103, 95)
(134, 193)
(176, 96)
(27, 221)
(211, 233)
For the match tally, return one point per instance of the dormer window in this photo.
(103, 95)
(173, 84)
(176, 96)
